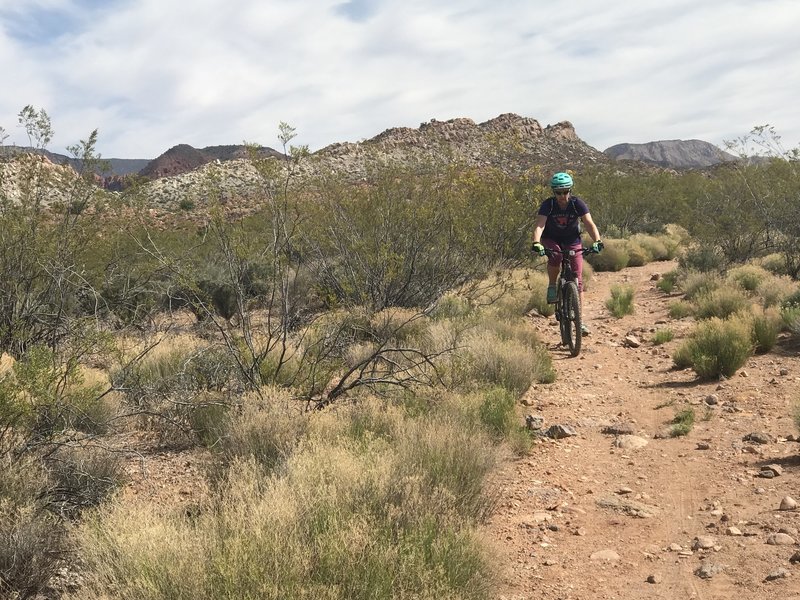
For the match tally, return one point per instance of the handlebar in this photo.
(584, 251)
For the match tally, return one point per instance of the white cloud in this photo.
(153, 73)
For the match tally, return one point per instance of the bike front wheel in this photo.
(571, 318)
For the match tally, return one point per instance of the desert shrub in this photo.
(765, 326)
(748, 277)
(538, 294)
(796, 415)
(614, 257)
(451, 306)
(722, 303)
(497, 411)
(31, 543)
(394, 520)
(704, 259)
(680, 309)
(638, 255)
(716, 347)
(508, 363)
(682, 423)
(656, 246)
(696, 284)
(667, 282)
(775, 263)
(773, 290)
(621, 301)
(81, 478)
(267, 432)
(662, 336)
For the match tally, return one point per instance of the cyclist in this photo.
(558, 224)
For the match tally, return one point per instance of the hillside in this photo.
(673, 154)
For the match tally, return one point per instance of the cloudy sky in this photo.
(149, 74)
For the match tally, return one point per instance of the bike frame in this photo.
(568, 303)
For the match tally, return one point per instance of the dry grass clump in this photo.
(638, 254)
(748, 277)
(773, 290)
(775, 263)
(722, 303)
(510, 363)
(621, 301)
(363, 520)
(716, 347)
(658, 248)
(695, 284)
(765, 324)
(614, 256)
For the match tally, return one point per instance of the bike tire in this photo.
(572, 317)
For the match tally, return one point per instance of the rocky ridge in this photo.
(672, 154)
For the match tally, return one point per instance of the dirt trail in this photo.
(583, 518)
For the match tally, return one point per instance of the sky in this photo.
(150, 74)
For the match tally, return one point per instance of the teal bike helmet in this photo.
(561, 181)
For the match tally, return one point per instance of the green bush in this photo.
(657, 247)
(638, 254)
(704, 259)
(680, 309)
(748, 277)
(668, 281)
(696, 284)
(497, 411)
(716, 347)
(509, 363)
(662, 336)
(765, 327)
(621, 301)
(774, 290)
(614, 257)
(682, 423)
(722, 303)
(774, 263)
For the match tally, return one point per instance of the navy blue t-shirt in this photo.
(563, 226)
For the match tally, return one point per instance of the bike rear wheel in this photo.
(571, 333)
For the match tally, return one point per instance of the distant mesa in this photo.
(672, 154)
(184, 158)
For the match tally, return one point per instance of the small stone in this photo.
(625, 490)
(712, 399)
(558, 432)
(703, 446)
(784, 372)
(703, 542)
(743, 373)
(631, 341)
(606, 555)
(770, 471)
(780, 539)
(777, 574)
(654, 578)
(630, 442)
(708, 570)
(788, 503)
(758, 437)
(675, 547)
(550, 562)
(619, 429)
(534, 422)
(733, 531)
(795, 558)
(655, 277)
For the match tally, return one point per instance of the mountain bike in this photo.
(568, 300)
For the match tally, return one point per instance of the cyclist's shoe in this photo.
(585, 330)
(551, 294)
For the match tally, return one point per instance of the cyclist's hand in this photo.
(538, 248)
(598, 246)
